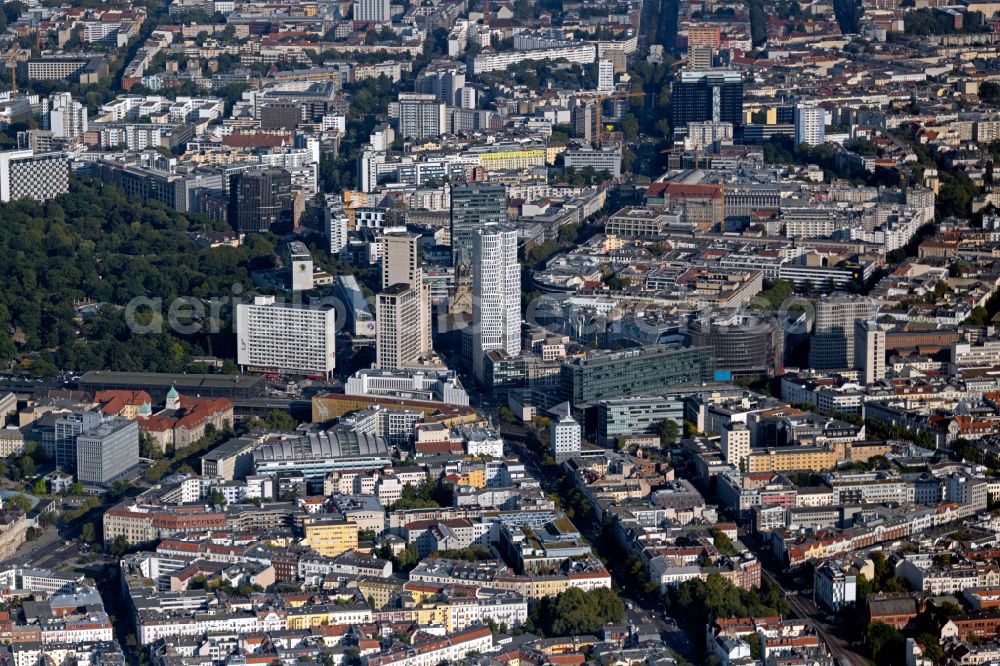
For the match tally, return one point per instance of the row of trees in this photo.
(923, 22)
(758, 28)
(175, 462)
(700, 602)
(575, 612)
(428, 495)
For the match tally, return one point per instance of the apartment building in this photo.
(287, 338)
(330, 536)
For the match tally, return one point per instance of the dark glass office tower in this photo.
(714, 95)
(261, 201)
(473, 206)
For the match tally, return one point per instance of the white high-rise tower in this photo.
(810, 125)
(496, 294)
(372, 11)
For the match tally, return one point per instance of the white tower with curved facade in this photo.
(496, 294)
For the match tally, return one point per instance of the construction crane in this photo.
(599, 99)
(10, 58)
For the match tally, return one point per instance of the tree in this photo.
(575, 612)
(119, 489)
(758, 30)
(407, 559)
(39, 487)
(88, 533)
(26, 466)
(216, 498)
(774, 295)
(723, 543)
(279, 420)
(630, 126)
(428, 495)
(669, 431)
(702, 601)
(932, 647)
(886, 645)
(149, 448)
(119, 546)
(19, 502)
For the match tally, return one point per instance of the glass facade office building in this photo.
(643, 370)
(714, 95)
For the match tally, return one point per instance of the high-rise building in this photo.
(66, 429)
(715, 95)
(286, 338)
(300, 263)
(810, 125)
(421, 116)
(38, 176)
(704, 35)
(832, 345)
(496, 294)
(403, 308)
(566, 437)
(736, 444)
(336, 230)
(372, 11)
(605, 75)
(66, 119)
(401, 260)
(869, 351)
(106, 451)
(398, 327)
(473, 206)
(368, 162)
(261, 200)
(584, 116)
(467, 97)
(444, 81)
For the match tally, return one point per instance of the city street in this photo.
(640, 610)
(802, 605)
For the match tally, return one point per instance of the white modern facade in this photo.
(25, 174)
(496, 294)
(300, 264)
(106, 452)
(430, 385)
(372, 11)
(287, 338)
(834, 587)
(66, 119)
(605, 76)
(736, 444)
(567, 437)
(421, 116)
(810, 125)
(869, 351)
